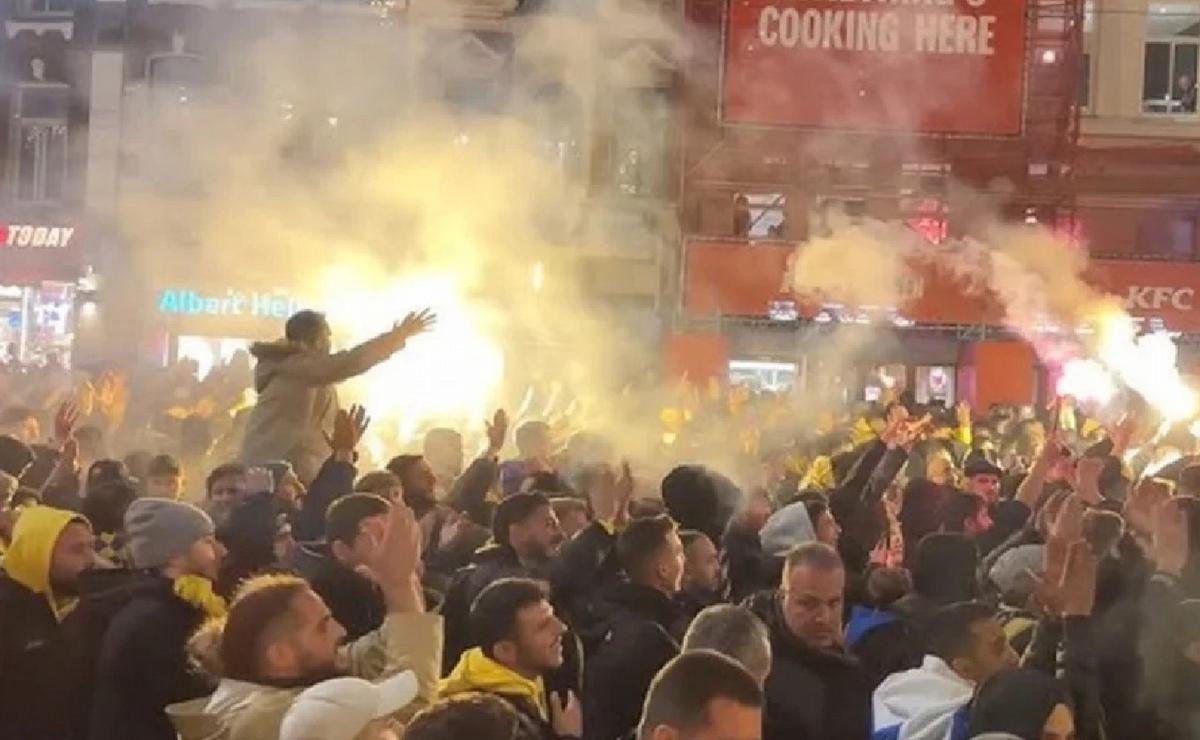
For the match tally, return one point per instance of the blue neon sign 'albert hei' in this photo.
(232, 303)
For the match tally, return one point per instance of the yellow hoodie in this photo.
(28, 559)
(476, 672)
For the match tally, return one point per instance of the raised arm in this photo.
(321, 369)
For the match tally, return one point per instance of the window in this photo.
(44, 7)
(39, 171)
(1169, 235)
(641, 121)
(760, 215)
(1170, 61)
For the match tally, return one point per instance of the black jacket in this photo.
(143, 666)
(354, 600)
(334, 480)
(855, 503)
(585, 569)
(811, 694)
(38, 666)
(490, 564)
(643, 627)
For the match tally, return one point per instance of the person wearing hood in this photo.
(526, 537)
(967, 647)
(295, 380)
(51, 550)
(1028, 704)
(815, 690)
(787, 529)
(280, 638)
(520, 639)
(642, 630)
(143, 664)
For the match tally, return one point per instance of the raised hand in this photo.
(1068, 526)
(394, 549)
(567, 721)
(1143, 504)
(416, 322)
(497, 432)
(1087, 479)
(66, 421)
(622, 494)
(349, 426)
(1077, 592)
(1170, 542)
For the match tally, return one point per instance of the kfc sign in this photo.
(1144, 298)
(33, 236)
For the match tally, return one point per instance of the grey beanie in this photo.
(787, 528)
(159, 529)
(1011, 570)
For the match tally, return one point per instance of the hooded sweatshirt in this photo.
(476, 672)
(43, 664)
(297, 401)
(28, 559)
(926, 703)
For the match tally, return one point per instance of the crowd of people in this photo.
(887, 570)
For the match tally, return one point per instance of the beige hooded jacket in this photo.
(297, 400)
(246, 711)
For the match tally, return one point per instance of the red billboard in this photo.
(733, 278)
(936, 66)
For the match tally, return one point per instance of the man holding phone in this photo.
(295, 378)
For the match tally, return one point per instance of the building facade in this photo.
(1104, 155)
(94, 89)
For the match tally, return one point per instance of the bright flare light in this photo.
(1086, 380)
(1146, 364)
(448, 376)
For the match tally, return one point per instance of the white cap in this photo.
(339, 709)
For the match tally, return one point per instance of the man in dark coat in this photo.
(815, 690)
(39, 669)
(642, 628)
(332, 569)
(143, 664)
(527, 537)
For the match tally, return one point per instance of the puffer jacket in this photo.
(297, 401)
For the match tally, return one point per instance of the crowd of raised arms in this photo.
(181, 562)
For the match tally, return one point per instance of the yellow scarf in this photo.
(199, 593)
(476, 672)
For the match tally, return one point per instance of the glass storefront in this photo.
(38, 322)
